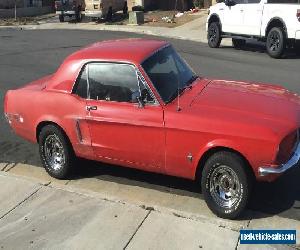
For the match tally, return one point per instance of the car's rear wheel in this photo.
(61, 18)
(238, 43)
(276, 42)
(56, 152)
(225, 184)
(214, 35)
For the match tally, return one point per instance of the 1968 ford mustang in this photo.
(136, 103)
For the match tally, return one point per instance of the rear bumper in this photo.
(293, 162)
(98, 14)
(66, 12)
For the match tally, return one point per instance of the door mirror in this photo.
(141, 102)
(230, 3)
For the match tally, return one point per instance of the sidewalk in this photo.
(194, 30)
(42, 212)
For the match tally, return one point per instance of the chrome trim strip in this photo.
(78, 131)
(293, 162)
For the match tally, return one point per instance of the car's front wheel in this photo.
(276, 42)
(214, 35)
(56, 152)
(225, 184)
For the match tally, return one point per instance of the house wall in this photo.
(8, 4)
(28, 11)
(163, 5)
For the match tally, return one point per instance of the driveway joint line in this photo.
(6, 164)
(8, 169)
(20, 203)
(137, 230)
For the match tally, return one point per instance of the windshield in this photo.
(169, 73)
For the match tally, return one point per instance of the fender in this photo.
(224, 143)
(214, 15)
(275, 19)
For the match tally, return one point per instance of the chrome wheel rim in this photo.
(225, 187)
(274, 41)
(54, 152)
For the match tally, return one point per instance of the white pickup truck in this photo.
(276, 22)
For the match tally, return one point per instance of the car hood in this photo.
(248, 101)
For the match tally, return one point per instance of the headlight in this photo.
(287, 147)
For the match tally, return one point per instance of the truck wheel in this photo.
(276, 42)
(56, 152)
(238, 43)
(225, 184)
(125, 8)
(214, 35)
(61, 18)
(109, 14)
(78, 15)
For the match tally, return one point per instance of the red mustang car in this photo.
(136, 103)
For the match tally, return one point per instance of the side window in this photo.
(81, 88)
(252, 1)
(284, 1)
(240, 1)
(113, 82)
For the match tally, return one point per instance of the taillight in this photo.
(298, 15)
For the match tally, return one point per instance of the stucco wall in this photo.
(30, 11)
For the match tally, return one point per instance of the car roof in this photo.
(133, 51)
(124, 50)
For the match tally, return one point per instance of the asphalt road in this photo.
(28, 55)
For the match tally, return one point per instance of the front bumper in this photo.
(293, 162)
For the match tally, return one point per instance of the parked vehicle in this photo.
(149, 110)
(70, 8)
(104, 8)
(276, 22)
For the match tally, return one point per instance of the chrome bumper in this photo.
(66, 12)
(263, 171)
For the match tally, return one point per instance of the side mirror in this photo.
(230, 3)
(141, 102)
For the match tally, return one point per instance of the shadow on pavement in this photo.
(260, 47)
(280, 197)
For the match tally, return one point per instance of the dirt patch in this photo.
(19, 21)
(24, 20)
(169, 19)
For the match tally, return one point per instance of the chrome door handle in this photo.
(89, 108)
(241, 10)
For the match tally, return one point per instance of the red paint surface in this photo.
(249, 118)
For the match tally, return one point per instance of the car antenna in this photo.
(178, 96)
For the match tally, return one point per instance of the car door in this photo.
(233, 17)
(122, 131)
(253, 13)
